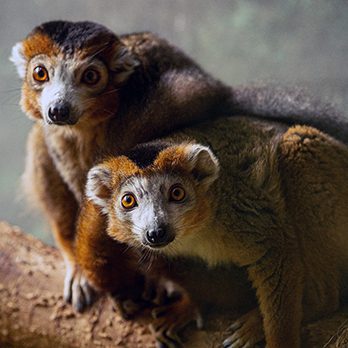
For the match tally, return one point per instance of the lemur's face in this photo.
(72, 72)
(156, 208)
(159, 205)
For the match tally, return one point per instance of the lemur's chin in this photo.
(61, 123)
(156, 246)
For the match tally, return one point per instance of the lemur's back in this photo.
(283, 190)
(297, 174)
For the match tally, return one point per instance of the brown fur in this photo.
(40, 43)
(279, 209)
(302, 221)
(63, 225)
(109, 265)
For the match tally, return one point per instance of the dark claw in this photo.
(79, 306)
(227, 343)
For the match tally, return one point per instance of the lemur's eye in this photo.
(128, 201)
(177, 193)
(40, 74)
(90, 76)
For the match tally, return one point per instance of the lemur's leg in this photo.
(45, 188)
(170, 319)
(247, 331)
(278, 280)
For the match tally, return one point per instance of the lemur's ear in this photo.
(98, 187)
(123, 63)
(18, 59)
(203, 164)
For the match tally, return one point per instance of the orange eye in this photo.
(177, 193)
(128, 201)
(90, 77)
(40, 74)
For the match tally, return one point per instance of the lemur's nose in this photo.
(59, 113)
(158, 236)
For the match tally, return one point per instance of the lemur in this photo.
(132, 277)
(92, 93)
(270, 199)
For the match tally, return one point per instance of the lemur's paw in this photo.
(154, 292)
(245, 332)
(128, 308)
(170, 319)
(168, 339)
(77, 290)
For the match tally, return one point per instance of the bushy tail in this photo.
(291, 105)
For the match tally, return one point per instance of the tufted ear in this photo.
(98, 187)
(18, 59)
(203, 164)
(123, 63)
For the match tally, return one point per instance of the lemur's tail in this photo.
(292, 105)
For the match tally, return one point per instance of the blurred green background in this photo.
(240, 41)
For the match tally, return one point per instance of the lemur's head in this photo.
(71, 71)
(155, 195)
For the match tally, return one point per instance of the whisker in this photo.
(137, 226)
(144, 255)
(15, 120)
(9, 102)
(96, 97)
(109, 112)
(186, 226)
(104, 47)
(11, 90)
(11, 98)
(109, 92)
(129, 247)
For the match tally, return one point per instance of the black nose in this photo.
(59, 113)
(157, 236)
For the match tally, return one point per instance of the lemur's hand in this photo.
(169, 319)
(247, 331)
(153, 293)
(77, 289)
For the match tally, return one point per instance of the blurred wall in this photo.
(239, 41)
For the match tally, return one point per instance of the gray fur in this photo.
(154, 208)
(291, 105)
